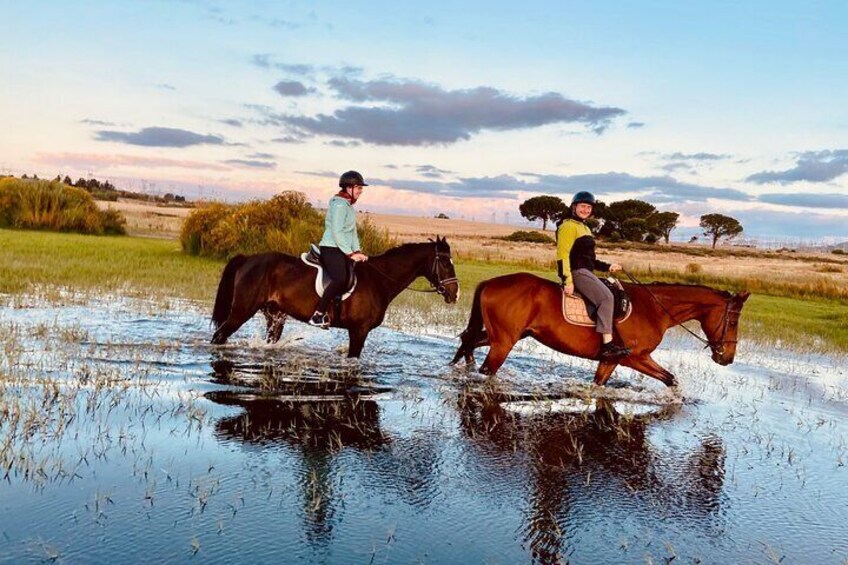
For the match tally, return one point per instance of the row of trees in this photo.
(632, 220)
(105, 190)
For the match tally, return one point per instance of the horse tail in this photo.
(470, 337)
(224, 297)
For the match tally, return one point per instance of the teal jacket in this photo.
(340, 226)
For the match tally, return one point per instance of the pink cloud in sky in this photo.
(99, 160)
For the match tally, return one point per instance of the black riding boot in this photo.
(612, 352)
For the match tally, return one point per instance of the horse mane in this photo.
(407, 247)
(723, 293)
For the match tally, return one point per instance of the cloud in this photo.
(232, 122)
(261, 156)
(160, 137)
(265, 61)
(430, 171)
(694, 157)
(657, 189)
(292, 88)
(811, 166)
(275, 22)
(676, 166)
(251, 164)
(781, 225)
(342, 143)
(634, 125)
(94, 160)
(93, 122)
(828, 201)
(165, 86)
(322, 174)
(398, 112)
(291, 139)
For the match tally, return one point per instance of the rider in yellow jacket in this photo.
(576, 262)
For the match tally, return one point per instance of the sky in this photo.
(464, 108)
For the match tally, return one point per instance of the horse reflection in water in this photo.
(578, 463)
(325, 420)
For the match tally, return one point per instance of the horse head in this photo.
(441, 273)
(721, 326)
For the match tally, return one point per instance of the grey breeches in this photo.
(590, 286)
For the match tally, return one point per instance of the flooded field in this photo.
(126, 437)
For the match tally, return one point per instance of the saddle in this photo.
(577, 310)
(322, 281)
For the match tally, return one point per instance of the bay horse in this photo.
(281, 285)
(511, 307)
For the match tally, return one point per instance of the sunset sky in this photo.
(466, 108)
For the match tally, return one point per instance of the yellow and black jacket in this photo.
(576, 250)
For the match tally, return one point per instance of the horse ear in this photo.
(743, 296)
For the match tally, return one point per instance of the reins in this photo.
(706, 342)
(435, 287)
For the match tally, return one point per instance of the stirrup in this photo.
(319, 320)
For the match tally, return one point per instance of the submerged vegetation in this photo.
(286, 223)
(808, 312)
(54, 206)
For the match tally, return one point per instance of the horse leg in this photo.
(645, 364)
(356, 341)
(498, 352)
(604, 372)
(238, 316)
(275, 321)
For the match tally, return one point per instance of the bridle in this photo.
(433, 274)
(730, 314)
(717, 346)
(434, 271)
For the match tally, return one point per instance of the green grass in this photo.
(31, 260)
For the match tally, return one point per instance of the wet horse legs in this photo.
(645, 364)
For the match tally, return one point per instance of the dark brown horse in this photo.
(509, 308)
(281, 285)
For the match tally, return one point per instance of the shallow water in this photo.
(126, 437)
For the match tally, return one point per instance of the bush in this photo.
(651, 238)
(528, 236)
(693, 268)
(838, 252)
(54, 206)
(286, 223)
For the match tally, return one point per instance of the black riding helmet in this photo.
(351, 178)
(583, 197)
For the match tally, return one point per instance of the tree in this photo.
(717, 226)
(616, 214)
(662, 223)
(543, 208)
(633, 229)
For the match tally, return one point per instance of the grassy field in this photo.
(32, 262)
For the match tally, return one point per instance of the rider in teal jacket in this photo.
(340, 226)
(340, 243)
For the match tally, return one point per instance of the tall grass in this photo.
(286, 223)
(808, 287)
(54, 206)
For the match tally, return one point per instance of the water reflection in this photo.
(319, 417)
(572, 465)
